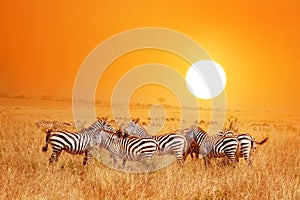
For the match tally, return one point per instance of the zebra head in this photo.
(102, 124)
(195, 133)
(133, 127)
(189, 133)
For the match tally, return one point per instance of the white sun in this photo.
(206, 79)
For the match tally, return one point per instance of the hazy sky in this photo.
(43, 45)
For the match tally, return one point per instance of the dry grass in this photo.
(25, 173)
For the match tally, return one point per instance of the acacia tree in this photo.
(161, 100)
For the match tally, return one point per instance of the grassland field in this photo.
(26, 174)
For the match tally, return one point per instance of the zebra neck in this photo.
(87, 131)
(143, 133)
(200, 137)
(189, 141)
(108, 139)
(94, 128)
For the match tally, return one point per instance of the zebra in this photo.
(74, 143)
(247, 144)
(170, 143)
(215, 146)
(126, 147)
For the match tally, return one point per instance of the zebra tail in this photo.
(45, 148)
(263, 141)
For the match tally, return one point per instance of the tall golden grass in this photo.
(26, 174)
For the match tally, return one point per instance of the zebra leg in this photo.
(115, 162)
(178, 156)
(45, 148)
(233, 159)
(55, 155)
(181, 162)
(186, 153)
(124, 162)
(184, 156)
(192, 156)
(249, 162)
(247, 158)
(87, 156)
(114, 156)
(206, 162)
(237, 157)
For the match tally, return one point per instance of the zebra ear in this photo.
(144, 123)
(137, 120)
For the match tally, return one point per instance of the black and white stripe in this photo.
(216, 146)
(74, 143)
(247, 144)
(170, 143)
(129, 148)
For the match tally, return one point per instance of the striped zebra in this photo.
(74, 143)
(247, 144)
(215, 146)
(126, 147)
(170, 143)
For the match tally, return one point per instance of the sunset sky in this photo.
(44, 43)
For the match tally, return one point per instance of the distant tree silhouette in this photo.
(161, 100)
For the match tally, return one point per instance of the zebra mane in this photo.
(222, 133)
(200, 129)
(208, 136)
(99, 124)
(109, 134)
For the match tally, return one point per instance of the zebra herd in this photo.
(131, 142)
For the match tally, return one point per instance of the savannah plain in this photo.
(26, 174)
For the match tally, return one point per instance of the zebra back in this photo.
(128, 148)
(134, 148)
(170, 143)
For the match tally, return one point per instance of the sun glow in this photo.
(206, 79)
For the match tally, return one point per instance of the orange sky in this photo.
(43, 45)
